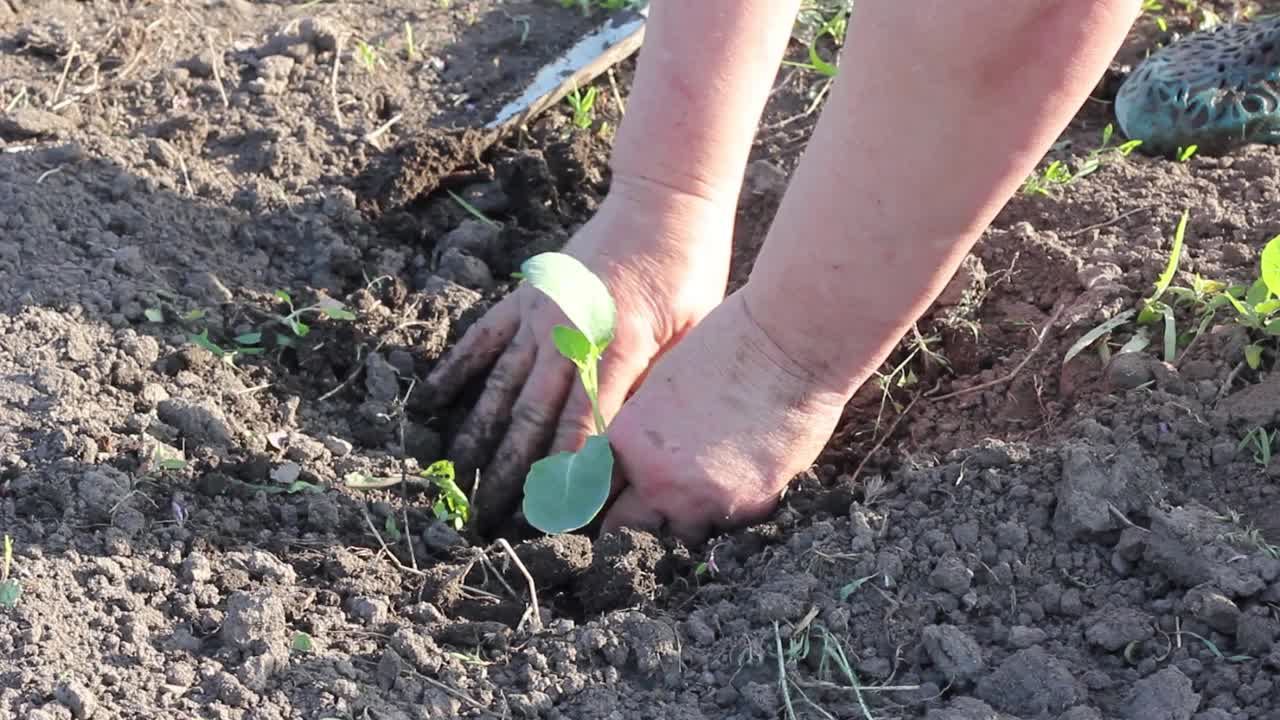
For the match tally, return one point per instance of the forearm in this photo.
(704, 74)
(940, 111)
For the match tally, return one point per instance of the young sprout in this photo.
(1262, 442)
(583, 105)
(565, 491)
(328, 307)
(367, 56)
(452, 506)
(10, 588)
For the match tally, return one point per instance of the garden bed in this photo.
(993, 530)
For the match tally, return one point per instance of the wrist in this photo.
(838, 358)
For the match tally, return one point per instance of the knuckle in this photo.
(574, 425)
(504, 378)
(532, 414)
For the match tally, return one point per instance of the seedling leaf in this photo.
(360, 481)
(1253, 355)
(155, 315)
(338, 313)
(1258, 293)
(391, 529)
(564, 492)
(572, 344)
(1271, 265)
(302, 642)
(453, 505)
(1175, 255)
(10, 591)
(581, 295)
(252, 338)
(1092, 336)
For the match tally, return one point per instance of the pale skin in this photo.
(940, 110)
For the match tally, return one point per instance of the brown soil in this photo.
(1079, 541)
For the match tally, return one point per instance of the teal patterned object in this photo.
(1218, 89)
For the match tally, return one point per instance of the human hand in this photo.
(718, 429)
(665, 259)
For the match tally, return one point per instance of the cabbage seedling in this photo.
(565, 491)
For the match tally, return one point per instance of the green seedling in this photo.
(1154, 307)
(328, 307)
(1261, 442)
(834, 26)
(302, 642)
(367, 56)
(1059, 173)
(1186, 153)
(391, 529)
(155, 315)
(473, 210)
(1258, 306)
(10, 588)
(226, 355)
(565, 491)
(586, 6)
(583, 105)
(452, 506)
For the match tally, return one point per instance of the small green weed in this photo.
(302, 642)
(250, 343)
(10, 588)
(834, 27)
(1185, 153)
(1261, 443)
(1059, 173)
(452, 506)
(1257, 308)
(368, 57)
(583, 104)
(588, 6)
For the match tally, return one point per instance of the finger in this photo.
(480, 345)
(486, 422)
(617, 375)
(633, 510)
(533, 421)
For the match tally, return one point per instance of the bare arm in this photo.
(704, 75)
(940, 112)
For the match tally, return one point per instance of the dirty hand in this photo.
(665, 259)
(720, 426)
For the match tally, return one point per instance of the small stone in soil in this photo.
(389, 669)
(1168, 695)
(1114, 628)
(956, 655)
(77, 698)
(964, 709)
(253, 621)
(951, 575)
(1030, 682)
(1212, 607)
(370, 611)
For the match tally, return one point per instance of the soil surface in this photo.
(994, 533)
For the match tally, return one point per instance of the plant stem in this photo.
(591, 381)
